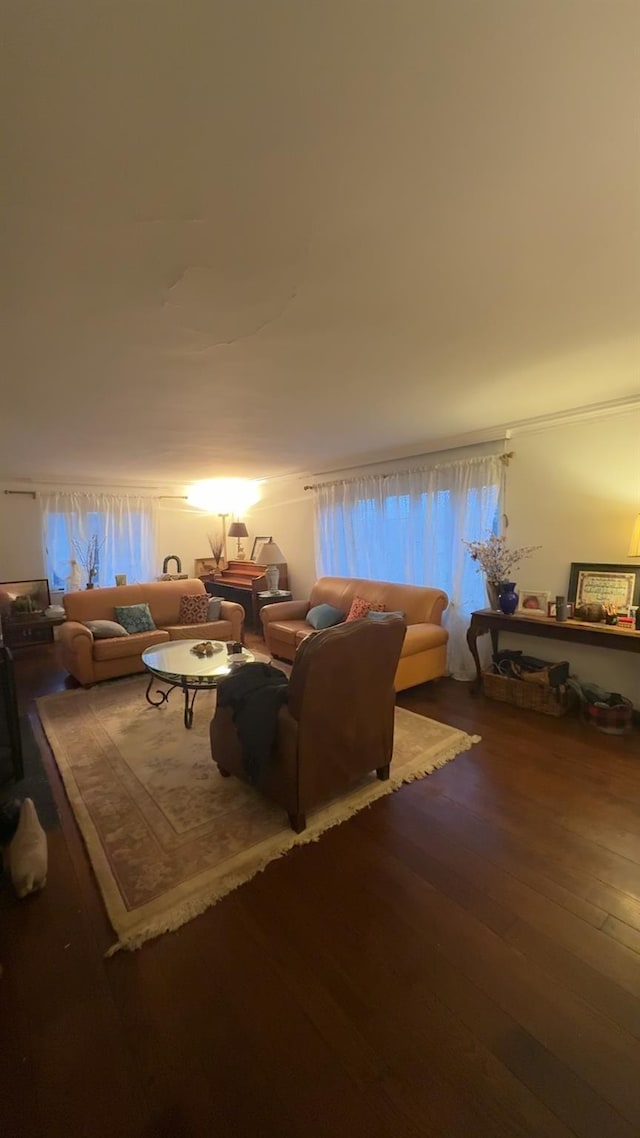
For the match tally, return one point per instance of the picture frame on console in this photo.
(24, 597)
(258, 542)
(533, 602)
(594, 582)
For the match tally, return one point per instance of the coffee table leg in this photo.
(164, 695)
(188, 707)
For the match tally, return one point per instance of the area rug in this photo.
(167, 836)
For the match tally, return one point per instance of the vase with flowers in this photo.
(216, 545)
(89, 557)
(496, 561)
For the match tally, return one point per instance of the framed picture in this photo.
(533, 602)
(591, 582)
(258, 542)
(552, 609)
(24, 597)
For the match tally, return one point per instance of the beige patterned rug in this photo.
(167, 836)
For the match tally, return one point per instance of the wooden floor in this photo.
(462, 959)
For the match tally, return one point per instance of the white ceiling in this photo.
(246, 237)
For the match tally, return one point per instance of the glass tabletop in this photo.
(175, 659)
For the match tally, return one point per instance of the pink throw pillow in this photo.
(194, 608)
(360, 608)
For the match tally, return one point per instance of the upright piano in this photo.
(241, 581)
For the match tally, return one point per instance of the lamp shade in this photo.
(634, 547)
(270, 554)
(238, 529)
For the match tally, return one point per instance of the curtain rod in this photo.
(99, 494)
(504, 459)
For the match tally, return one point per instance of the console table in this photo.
(580, 631)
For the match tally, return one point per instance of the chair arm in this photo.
(233, 612)
(284, 610)
(70, 631)
(75, 646)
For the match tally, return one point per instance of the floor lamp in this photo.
(224, 535)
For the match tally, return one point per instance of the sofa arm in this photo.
(233, 612)
(284, 610)
(75, 646)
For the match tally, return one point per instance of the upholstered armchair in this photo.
(337, 724)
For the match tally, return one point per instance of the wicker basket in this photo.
(534, 697)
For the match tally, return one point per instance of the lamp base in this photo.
(272, 578)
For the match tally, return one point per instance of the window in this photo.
(124, 527)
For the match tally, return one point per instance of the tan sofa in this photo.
(424, 651)
(91, 660)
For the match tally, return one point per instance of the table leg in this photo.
(188, 707)
(473, 632)
(164, 695)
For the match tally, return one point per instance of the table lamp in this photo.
(239, 530)
(634, 544)
(271, 555)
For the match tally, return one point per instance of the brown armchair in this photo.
(338, 722)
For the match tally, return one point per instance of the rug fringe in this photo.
(194, 907)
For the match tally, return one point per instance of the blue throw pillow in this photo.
(135, 618)
(324, 616)
(385, 616)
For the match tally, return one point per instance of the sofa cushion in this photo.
(324, 616)
(124, 647)
(194, 608)
(135, 618)
(210, 630)
(102, 629)
(361, 607)
(213, 610)
(286, 631)
(420, 637)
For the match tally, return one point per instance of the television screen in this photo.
(18, 597)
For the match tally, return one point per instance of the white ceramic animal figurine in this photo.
(28, 852)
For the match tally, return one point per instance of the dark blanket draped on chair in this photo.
(337, 724)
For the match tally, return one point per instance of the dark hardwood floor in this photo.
(462, 959)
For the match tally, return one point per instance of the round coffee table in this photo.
(177, 666)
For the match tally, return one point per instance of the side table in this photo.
(262, 599)
(30, 629)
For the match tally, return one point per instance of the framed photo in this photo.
(533, 602)
(24, 597)
(552, 609)
(258, 542)
(590, 582)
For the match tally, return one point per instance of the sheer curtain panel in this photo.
(125, 527)
(409, 527)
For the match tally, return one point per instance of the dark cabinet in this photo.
(10, 742)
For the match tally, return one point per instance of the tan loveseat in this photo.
(424, 651)
(91, 660)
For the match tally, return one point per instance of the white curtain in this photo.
(125, 527)
(409, 527)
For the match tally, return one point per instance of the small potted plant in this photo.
(216, 545)
(89, 557)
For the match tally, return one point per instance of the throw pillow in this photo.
(135, 618)
(194, 608)
(324, 616)
(213, 608)
(105, 629)
(360, 608)
(375, 614)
